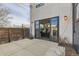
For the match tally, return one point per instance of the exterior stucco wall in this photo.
(52, 10)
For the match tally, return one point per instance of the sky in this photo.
(20, 13)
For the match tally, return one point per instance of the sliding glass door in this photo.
(54, 21)
(37, 29)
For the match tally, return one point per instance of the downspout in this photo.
(74, 11)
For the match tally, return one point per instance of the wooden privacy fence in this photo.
(13, 34)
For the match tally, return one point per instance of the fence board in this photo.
(13, 34)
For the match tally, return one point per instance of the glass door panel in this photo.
(54, 28)
(37, 29)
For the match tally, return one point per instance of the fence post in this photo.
(22, 31)
(9, 35)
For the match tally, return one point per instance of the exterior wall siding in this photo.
(52, 10)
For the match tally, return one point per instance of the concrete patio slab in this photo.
(35, 47)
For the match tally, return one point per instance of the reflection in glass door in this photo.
(54, 21)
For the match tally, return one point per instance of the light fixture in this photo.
(65, 18)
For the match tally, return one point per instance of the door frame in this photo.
(50, 27)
